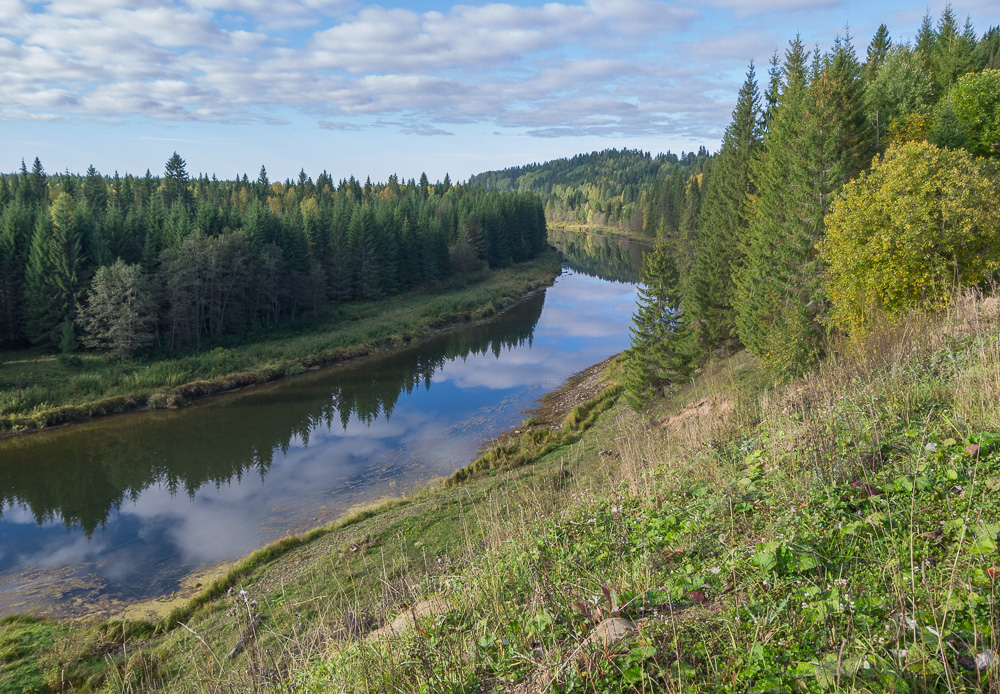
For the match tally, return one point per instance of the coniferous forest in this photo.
(121, 263)
(850, 190)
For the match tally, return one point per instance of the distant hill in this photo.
(628, 189)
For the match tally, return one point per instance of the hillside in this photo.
(625, 189)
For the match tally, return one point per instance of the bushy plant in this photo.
(904, 234)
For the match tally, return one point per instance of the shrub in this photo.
(905, 233)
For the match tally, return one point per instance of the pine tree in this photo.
(95, 191)
(38, 181)
(760, 287)
(954, 51)
(724, 222)
(15, 237)
(878, 51)
(926, 38)
(655, 359)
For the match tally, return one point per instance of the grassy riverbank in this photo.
(38, 389)
(838, 533)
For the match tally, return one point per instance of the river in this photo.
(103, 514)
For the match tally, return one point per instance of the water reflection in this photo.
(120, 509)
(600, 256)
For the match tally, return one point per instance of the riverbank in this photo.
(39, 390)
(837, 532)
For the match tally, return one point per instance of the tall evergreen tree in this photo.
(724, 222)
(67, 281)
(774, 211)
(878, 51)
(95, 191)
(175, 182)
(954, 51)
(655, 359)
(15, 238)
(39, 300)
(38, 181)
(814, 147)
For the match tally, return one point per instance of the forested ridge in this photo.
(120, 263)
(847, 193)
(627, 189)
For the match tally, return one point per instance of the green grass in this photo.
(38, 389)
(835, 534)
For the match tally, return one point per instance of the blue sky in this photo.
(402, 87)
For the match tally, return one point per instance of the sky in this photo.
(403, 87)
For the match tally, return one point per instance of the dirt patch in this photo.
(711, 408)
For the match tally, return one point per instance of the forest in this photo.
(849, 193)
(123, 263)
(623, 189)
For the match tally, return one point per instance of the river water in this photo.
(106, 513)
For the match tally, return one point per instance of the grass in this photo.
(38, 389)
(834, 534)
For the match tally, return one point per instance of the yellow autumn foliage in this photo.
(906, 233)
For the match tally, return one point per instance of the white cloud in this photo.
(627, 68)
(223, 60)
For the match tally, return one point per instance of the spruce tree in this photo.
(38, 183)
(67, 280)
(656, 359)
(175, 182)
(813, 147)
(15, 238)
(724, 222)
(878, 51)
(774, 209)
(39, 301)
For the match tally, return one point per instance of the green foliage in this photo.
(246, 256)
(905, 234)
(120, 314)
(41, 391)
(625, 189)
(976, 103)
(813, 145)
(723, 224)
(656, 358)
(902, 85)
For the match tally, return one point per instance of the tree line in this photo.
(626, 189)
(847, 193)
(123, 262)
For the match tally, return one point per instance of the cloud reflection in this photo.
(284, 455)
